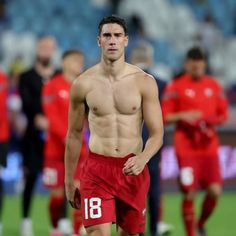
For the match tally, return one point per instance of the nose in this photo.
(112, 40)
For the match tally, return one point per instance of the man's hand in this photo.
(213, 120)
(41, 122)
(73, 195)
(134, 166)
(191, 116)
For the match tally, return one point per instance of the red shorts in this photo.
(199, 171)
(54, 171)
(108, 195)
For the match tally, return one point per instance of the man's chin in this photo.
(44, 61)
(196, 77)
(113, 58)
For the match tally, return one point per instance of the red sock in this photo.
(188, 217)
(77, 221)
(208, 206)
(56, 206)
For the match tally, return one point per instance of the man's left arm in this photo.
(153, 119)
(221, 112)
(152, 116)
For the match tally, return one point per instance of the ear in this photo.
(126, 41)
(99, 41)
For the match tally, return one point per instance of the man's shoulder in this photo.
(179, 81)
(145, 81)
(147, 78)
(54, 81)
(83, 81)
(210, 80)
(135, 69)
(28, 73)
(139, 74)
(90, 72)
(29, 76)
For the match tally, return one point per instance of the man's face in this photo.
(45, 49)
(195, 68)
(112, 41)
(73, 64)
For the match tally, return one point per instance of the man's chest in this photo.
(197, 96)
(62, 96)
(122, 98)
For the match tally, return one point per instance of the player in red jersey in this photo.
(56, 106)
(4, 132)
(196, 103)
(119, 97)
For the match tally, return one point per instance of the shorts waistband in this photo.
(110, 159)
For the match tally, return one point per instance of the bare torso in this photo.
(115, 112)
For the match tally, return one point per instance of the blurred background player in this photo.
(4, 134)
(196, 103)
(56, 106)
(142, 56)
(30, 86)
(16, 117)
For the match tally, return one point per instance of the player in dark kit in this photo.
(30, 87)
(196, 103)
(119, 96)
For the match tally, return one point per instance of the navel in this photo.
(117, 149)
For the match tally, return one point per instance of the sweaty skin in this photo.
(115, 116)
(119, 97)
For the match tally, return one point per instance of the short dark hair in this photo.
(196, 53)
(112, 20)
(70, 52)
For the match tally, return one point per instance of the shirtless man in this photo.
(119, 96)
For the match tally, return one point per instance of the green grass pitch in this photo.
(222, 223)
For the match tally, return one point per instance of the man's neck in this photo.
(69, 77)
(113, 69)
(196, 78)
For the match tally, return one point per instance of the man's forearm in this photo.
(152, 146)
(72, 151)
(215, 120)
(173, 117)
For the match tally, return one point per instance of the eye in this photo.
(106, 35)
(117, 35)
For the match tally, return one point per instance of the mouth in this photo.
(112, 50)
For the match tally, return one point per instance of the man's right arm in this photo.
(190, 116)
(74, 135)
